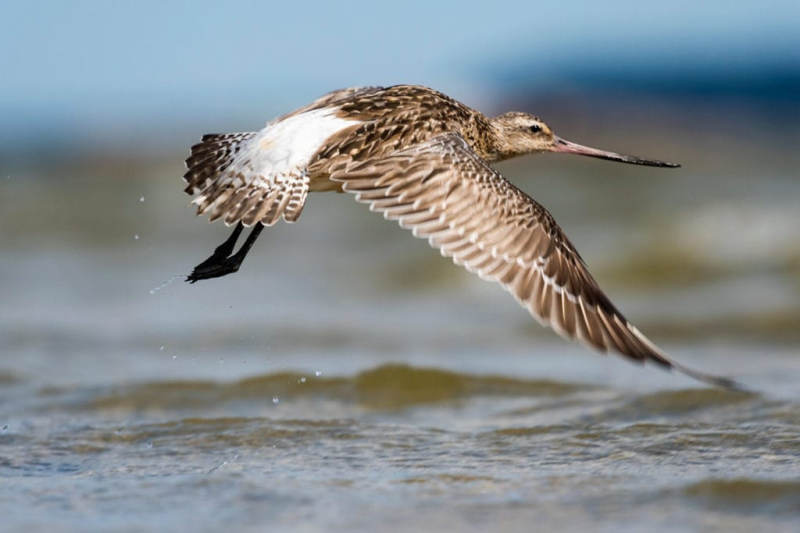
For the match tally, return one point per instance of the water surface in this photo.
(354, 381)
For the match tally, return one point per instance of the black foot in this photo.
(222, 267)
(221, 263)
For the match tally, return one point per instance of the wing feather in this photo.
(442, 191)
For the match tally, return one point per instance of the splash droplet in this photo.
(141, 199)
(302, 380)
(135, 236)
(170, 280)
(318, 373)
(276, 400)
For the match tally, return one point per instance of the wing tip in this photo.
(710, 379)
(657, 356)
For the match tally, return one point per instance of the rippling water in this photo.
(397, 447)
(360, 383)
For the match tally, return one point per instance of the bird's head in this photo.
(520, 133)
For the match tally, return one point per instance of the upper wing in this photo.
(444, 192)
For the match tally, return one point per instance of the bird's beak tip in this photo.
(567, 147)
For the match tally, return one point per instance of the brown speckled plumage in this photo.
(396, 118)
(423, 159)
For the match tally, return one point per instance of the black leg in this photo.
(221, 263)
(223, 250)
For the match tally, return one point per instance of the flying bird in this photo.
(423, 159)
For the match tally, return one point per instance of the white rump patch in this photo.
(267, 177)
(278, 153)
(286, 147)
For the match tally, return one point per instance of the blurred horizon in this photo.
(106, 99)
(152, 76)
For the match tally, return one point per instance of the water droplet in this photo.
(5, 429)
(170, 280)
(222, 361)
(174, 356)
(302, 380)
(141, 198)
(318, 373)
(276, 400)
(161, 349)
(149, 445)
(245, 361)
(135, 236)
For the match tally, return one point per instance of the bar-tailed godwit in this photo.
(423, 159)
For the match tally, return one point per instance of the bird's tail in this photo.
(231, 184)
(211, 157)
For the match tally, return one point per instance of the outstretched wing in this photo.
(444, 192)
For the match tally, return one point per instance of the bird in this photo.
(423, 159)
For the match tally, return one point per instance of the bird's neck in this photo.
(498, 146)
(486, 138)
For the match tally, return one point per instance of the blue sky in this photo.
(96, 63)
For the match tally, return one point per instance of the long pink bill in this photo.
(566, 147)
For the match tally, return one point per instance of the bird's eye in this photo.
(534, 128)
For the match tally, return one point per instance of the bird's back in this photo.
(392, 119)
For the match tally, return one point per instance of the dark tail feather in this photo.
(211, 157)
